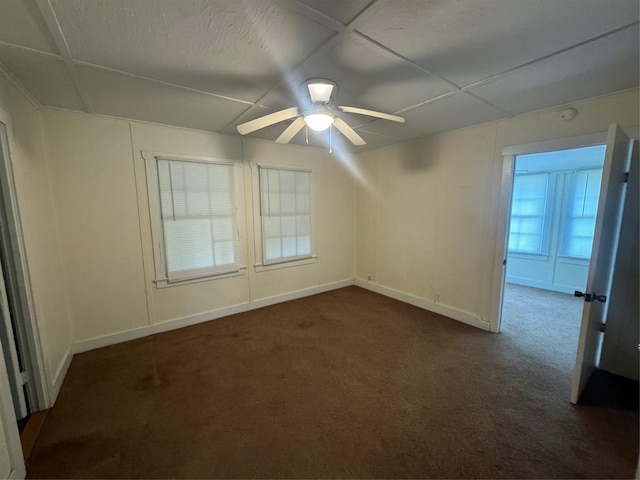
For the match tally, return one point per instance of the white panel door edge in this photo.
(605, 243)
(11, 354)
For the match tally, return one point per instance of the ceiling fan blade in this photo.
(262, 122)
(291, 131)
(348, 132)
(372, 113)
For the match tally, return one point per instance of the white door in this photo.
(11, 456)
(7, 339)
(605, 243)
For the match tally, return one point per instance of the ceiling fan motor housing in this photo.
(320, 90)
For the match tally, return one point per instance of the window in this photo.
(528, 213)
(285, 213)
(582, 206)
(194, 223)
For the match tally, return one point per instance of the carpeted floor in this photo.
(343, 384)
(543, 323)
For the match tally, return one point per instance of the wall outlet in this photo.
(368, 278)
(436, 297)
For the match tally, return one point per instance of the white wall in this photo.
(426, 229)
(99, 182)
(423, 228)
(38, 218)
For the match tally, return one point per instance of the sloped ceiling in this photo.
(212, 64)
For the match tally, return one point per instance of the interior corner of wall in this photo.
(58, 377)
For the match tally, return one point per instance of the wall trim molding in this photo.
(174, 324)
(61, 374)
(18, 473)
(441, 309)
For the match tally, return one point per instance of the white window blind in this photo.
(198, 215)
(582, 207)
(528, 213)
(285, 209)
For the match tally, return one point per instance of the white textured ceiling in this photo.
(212, 64)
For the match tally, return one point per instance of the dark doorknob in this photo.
(590, 297)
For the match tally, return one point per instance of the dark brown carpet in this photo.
(343, 384)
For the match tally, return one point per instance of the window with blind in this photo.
(582, 207)
(528, 213)
(194, 214)
(286, 214)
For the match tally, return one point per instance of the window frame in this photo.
(260, 263)
(546, 217)
(566, 218)
(162, 279)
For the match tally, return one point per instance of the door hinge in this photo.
(24, 377)
(626, 177)
(602, 327)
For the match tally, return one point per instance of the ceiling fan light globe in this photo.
(318, 121)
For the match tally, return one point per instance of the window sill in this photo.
(543, 257)
(573, 260)
(165, 283)
(286, 264)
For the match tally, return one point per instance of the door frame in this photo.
(38, 390)
(9, 426)
(509, 154)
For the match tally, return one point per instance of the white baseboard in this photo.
(542, 285)
(18, 473)
(59, 377)
(445, 310)
(174, 324)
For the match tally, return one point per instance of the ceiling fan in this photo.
(318, 115)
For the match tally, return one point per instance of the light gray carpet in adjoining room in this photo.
(546, 324)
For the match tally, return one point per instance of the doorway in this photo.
(18, 331)
(610, 216)
(552, 217)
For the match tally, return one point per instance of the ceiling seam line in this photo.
(328, 44)
(387, 52)
(427, 102)
(371, 132)
(55, 30)
(488, 103)
(161, 82)
(21, 88)
(508, 72)
(314, 15)
(130, 119)
(32, 50)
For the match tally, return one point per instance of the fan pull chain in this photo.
(306, 134)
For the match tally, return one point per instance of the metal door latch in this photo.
(590, 297)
